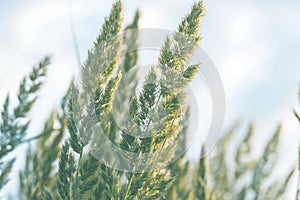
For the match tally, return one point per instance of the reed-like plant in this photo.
(63, 163)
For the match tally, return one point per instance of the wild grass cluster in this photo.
(60, 163)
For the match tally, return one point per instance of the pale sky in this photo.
(254, 44)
